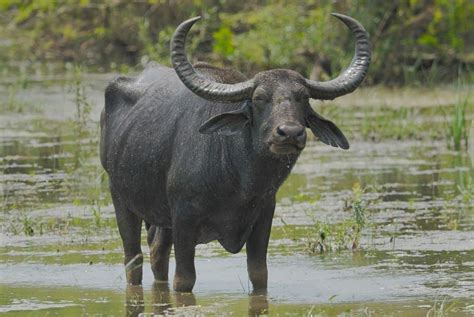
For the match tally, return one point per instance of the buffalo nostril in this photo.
(292, 131)
(281, 132)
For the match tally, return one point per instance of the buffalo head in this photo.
(275, 102)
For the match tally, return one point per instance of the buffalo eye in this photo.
(302, 95)
(260, 96)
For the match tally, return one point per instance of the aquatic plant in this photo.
(82, 116)
(358, 209)
(323, 237)
(397, 124)
(86, 136)
(388, 122)
(14, 104)
(22, 223)
(465, 186)
(459, 125)
(440, 308)
(97, 214)
(358, 205)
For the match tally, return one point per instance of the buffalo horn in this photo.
(353, 76)
(198, 83)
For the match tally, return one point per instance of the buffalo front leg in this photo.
(256, 248)
(160, 241)
(129, 226)
(184, 240)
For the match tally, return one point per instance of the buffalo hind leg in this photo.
(184, 240)
(160, 241)
(129, 226)
(256, 248)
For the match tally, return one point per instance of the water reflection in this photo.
(134, 303)
(161, 297)
(164, 301)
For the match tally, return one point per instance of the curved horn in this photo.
(198, 83)
(353, 76)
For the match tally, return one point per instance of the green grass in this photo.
(458, 132)
(378, 123)
(441, 309)
(397, 124)
(325, 237)
(13, 104)
(466, 187)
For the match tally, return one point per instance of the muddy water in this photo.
(61, 253)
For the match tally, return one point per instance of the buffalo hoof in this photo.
(133, 270)
(184, 285)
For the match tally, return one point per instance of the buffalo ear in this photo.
(326, 131)
(228, 123)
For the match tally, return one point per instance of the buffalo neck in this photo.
(261, 171)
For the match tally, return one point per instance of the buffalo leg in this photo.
(129, 226)
(184, 240)
(256, 247)
(160, 241)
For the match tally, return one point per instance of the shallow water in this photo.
(61, 253)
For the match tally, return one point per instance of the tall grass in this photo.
(82, 117)
(14, 104)
(459, 125)
(85, 133)
(441, 308)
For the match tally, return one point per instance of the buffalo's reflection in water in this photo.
(165, 302)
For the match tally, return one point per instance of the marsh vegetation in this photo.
(385, 228)
(395, 211)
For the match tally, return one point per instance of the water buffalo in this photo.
(198, 153)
